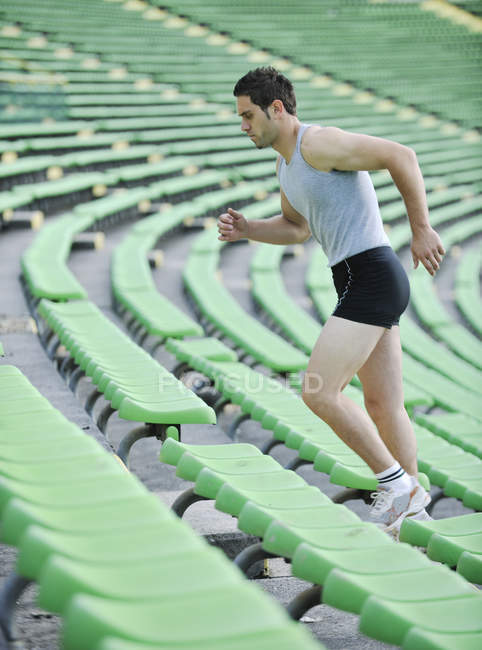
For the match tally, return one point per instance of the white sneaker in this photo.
(421, 516)
(389, 507)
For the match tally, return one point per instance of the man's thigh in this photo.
(381, 375)
(342, 348)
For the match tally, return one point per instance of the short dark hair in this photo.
(264, 85)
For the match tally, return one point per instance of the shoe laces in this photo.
(382, 501)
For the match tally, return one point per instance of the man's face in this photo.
(255, 123)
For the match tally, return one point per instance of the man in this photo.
(326, 192)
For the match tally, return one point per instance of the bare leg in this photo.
(381, 377)
(344, 347)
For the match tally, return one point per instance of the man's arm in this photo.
(330, 149)
(290, 227)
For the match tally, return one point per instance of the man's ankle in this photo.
(394, 478)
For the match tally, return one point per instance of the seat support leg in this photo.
(104, 417)
(304, 602)
(75, 377)
(435, 499)
(146, 431)
(238, 420)
(250, 555)
(184, 500)
(12, 589)
(352, 493)
(297, 462)
(269, 445)
(91, 400)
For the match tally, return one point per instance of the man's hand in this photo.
(232, 226)
(428, 249)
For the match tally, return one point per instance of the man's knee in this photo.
(317, 396)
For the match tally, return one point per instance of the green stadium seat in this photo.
(455, 541)
(105, 570)
(457, 428)
(53, 279)
(224, 618)
(113, 362)
(153, 314)
(324, 541)
(467, 288)
(86, 528)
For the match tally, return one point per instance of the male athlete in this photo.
(326, 192)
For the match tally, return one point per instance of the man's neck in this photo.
(285, 143)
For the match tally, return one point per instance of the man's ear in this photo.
(277, 107)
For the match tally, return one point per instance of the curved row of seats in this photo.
(357, 564)
(466, 288)
(132, 284)
(329, 40)
(99, 546)
(134, 384)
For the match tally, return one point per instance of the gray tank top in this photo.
(341, 207)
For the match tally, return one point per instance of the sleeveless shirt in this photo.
(341, 207)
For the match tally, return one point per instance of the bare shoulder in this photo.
(317, 143)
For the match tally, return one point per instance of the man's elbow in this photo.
(304, 234)
(404, 158)
(408, 155)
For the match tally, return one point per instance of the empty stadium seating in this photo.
(118, 126)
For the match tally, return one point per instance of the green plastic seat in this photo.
(171, 574)
(467, 288)
(256, 518)
(315, 563)
(391, 621)
(421, 639)
(283, 540)
(53, 280)
(107, 515)
(111, 358)
(89, 465)
(419, 533)
(42, 448)
(217, 617)
(456, 541)
(457, 428)
(85, 528)
(443, 548)
(126, 545)
(69, 493)
(286, 639)
(349, 591)
(355, 561)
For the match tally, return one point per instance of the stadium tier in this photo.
(124, 319)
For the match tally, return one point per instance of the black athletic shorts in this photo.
(372, 287)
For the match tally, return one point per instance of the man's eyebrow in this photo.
(244, 113)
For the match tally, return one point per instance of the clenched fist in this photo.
(232, 226)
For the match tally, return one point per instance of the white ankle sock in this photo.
(394, 478)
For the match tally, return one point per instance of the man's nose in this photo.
(244, 126)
